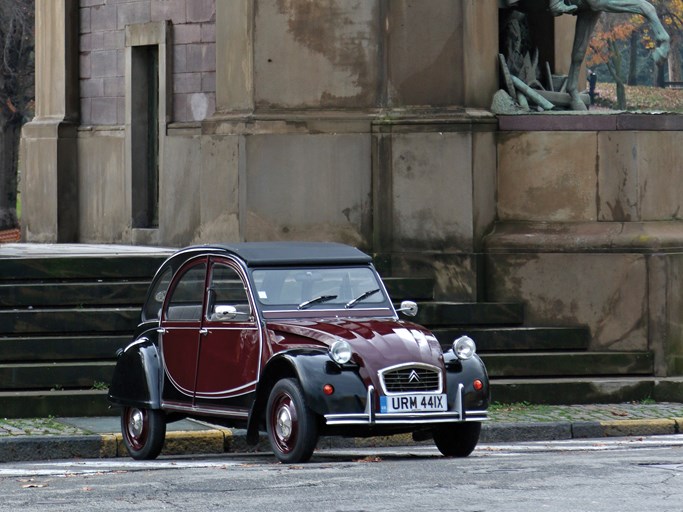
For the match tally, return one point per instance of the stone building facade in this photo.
(170, 122)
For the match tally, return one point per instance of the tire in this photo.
(292, 427)
(457, 439)
(143, 432)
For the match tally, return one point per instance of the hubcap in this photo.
(136, 423)
(283, 426)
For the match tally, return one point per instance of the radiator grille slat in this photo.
(411, 379)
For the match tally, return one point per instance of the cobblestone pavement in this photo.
(594, 412)
(508, 414)
(66, 438)
(37, 427)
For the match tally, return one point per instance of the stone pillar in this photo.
(234, 56)
(50, 158)
(440, 53)
(480, 59)
(437, 55)
(223, 171)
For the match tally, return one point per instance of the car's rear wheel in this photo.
(292, 427)
(457, 439)
(143, 432)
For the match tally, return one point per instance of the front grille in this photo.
(410, 379)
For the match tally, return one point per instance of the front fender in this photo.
(313, 369)
(316, 370)
(137, 376)
(466, 372)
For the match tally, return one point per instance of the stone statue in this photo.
(521, 65)
(587, 13)
(559, 7)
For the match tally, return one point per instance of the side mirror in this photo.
(224, 313)
(408, 308)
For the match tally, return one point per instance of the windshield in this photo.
(304, 288)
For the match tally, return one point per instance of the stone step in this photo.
(65, 403)
(512, 339)
(43, 404)
(80, 267)
(568, 364)
(71, 320)
(51, 294)
(409, 288)
(61, 348)
(85, 374)
(65, 375)
(442, 314)
(587, 390)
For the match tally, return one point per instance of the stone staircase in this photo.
(62, 318)
(551, 365)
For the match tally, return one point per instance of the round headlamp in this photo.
(464, 347)
(340, 352)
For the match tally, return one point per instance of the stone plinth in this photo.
(590, 230)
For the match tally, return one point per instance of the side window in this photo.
(185, 303)
(228, 300)
(156, 298)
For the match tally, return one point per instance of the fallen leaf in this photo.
(369, 459)
(33, 486)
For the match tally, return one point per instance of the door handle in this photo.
(203, 332)
(161, 330)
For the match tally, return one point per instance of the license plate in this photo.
(413, 403)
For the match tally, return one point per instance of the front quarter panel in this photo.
(137, 375)
(313, 369)
(465, 373)
(317, 370)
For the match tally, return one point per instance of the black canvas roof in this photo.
(261, 254)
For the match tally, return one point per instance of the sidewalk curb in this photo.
(555, 431)
(219, 440)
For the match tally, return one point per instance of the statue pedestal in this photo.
(590, 228)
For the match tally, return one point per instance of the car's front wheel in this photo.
(143, 432)
(457, 439)
(292, 427)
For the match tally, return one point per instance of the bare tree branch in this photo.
(17, 72)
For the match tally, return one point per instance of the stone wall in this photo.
(329, 121)
(102, 58)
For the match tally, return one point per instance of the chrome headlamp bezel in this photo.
(340, 352)
(464, 348)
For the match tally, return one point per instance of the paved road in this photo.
(635, 474)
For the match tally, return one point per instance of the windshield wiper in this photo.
(361, 297)
(317, 300)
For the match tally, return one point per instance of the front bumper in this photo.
(371, 417)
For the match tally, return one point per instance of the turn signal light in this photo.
(478, 385)
(328, 389)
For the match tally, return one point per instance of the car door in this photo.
(180, 326)
(230, 341)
